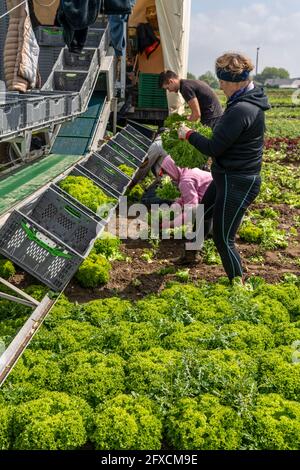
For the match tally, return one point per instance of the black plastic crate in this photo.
(76, 203)
(115, 158)
(117, 148)
(49, 36)
(94, 37)
(69, 81)
(63, 219)
(130, 147)
(134, 140)
(80, 61)
(108, 175)
(134, 127)
(38, 252)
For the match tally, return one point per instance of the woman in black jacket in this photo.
(236, 149)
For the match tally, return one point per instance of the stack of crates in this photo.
(150, 95)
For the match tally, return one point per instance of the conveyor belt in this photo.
(26, 181)
(75, 137)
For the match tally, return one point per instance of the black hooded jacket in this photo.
(238, 138)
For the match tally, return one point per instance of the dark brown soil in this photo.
(137, 278)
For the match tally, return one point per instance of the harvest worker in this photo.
(236, 148)
(202, 100)
(192, 184)
(155, 152)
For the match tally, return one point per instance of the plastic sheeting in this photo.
(174, 25)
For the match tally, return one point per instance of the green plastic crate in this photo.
(150, 95)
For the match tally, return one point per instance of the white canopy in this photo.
(174, 25)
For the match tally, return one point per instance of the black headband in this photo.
(227, 76)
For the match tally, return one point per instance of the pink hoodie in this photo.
(192, 185)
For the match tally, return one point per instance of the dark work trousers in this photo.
(225, 202)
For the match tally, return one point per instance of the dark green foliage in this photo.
(105, 312)
(7, 269)
(128, 170)
(183, 153)
(274, 424)
(37, 291)
(127, 423)
(109, 247)
(203, 424)
(55, 421)
(279, 374)
(94, 271)
(85, 191)
(167, 190)
(5, 427)
(92, 376)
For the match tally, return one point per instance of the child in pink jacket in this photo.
(192, 185)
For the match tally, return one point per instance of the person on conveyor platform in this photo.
(236, 148)
(202, 100)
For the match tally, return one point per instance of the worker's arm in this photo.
(195, 108)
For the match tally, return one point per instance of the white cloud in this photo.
(274, 29)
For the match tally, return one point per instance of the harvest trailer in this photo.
(58, 130)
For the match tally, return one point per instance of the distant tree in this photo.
(191, 76)
(271, 73)
(210, 79)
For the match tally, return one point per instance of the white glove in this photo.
(182, 131)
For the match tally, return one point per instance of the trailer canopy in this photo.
(174, 28)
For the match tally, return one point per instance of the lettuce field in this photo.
(140, 353)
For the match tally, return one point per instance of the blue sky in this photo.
(244, 25)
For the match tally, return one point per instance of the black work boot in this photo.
(189, 258)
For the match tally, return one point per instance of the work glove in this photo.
(183, 131)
